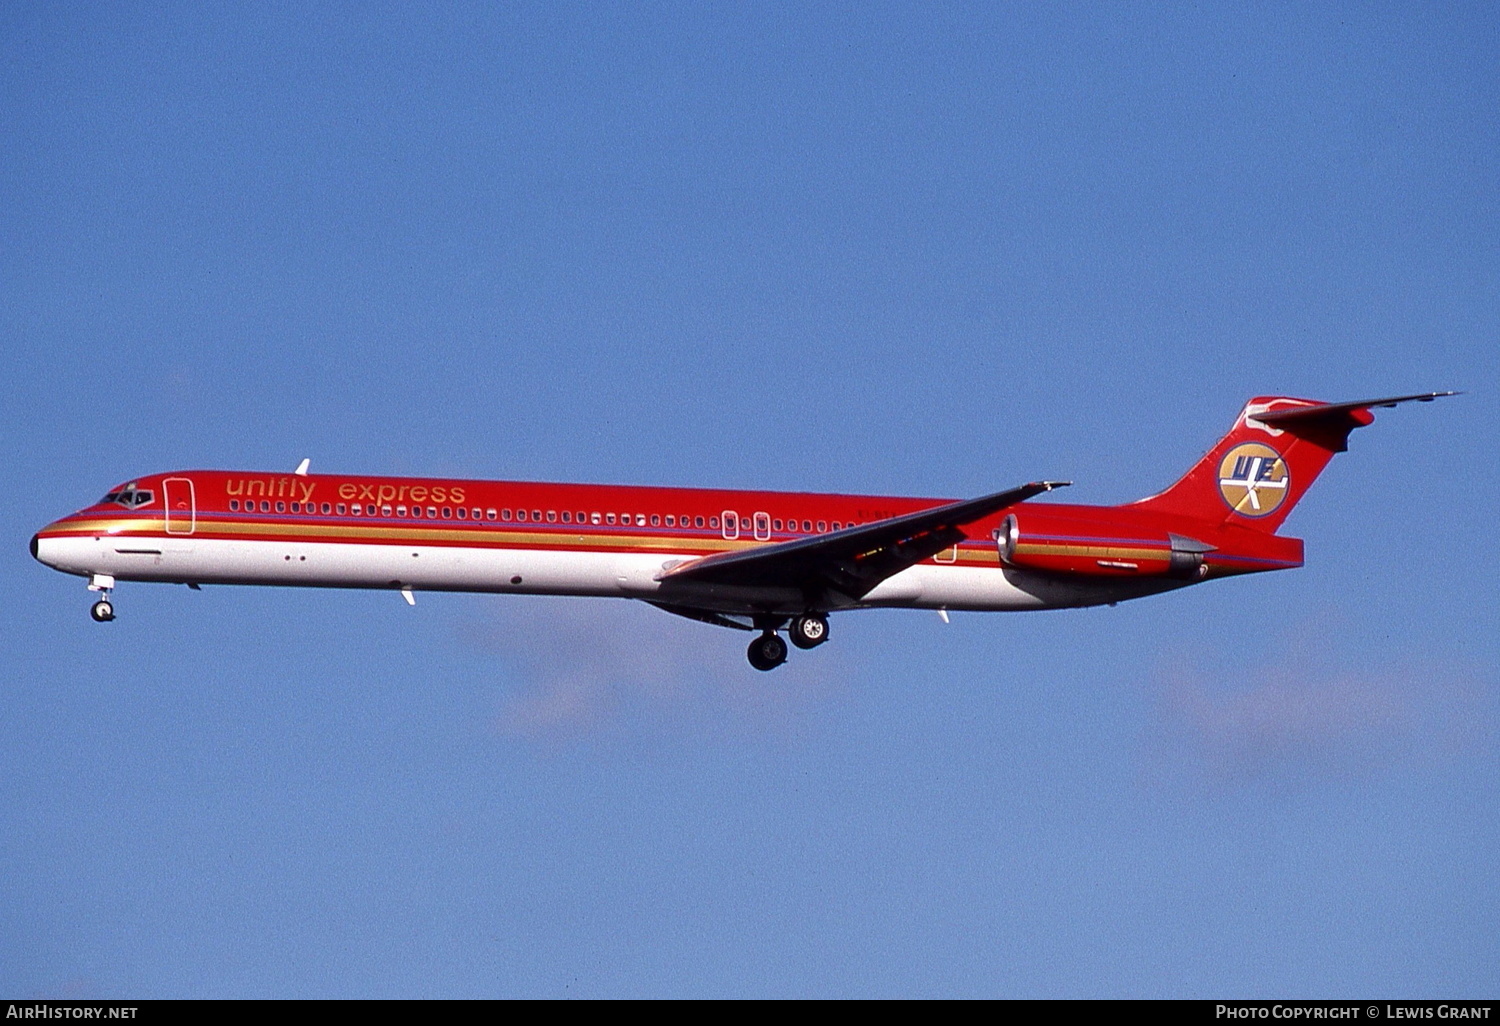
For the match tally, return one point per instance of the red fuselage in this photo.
(218, 527)
(763, 561)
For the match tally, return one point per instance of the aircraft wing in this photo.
(856, 559)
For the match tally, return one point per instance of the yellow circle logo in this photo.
(1253, 479)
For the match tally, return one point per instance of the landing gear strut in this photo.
(767, 651)
(809, 631)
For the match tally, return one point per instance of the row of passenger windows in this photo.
(551, 516)
(362, 510)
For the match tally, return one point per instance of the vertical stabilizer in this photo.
(1257, 472)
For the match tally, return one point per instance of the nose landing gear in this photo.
(102, 611)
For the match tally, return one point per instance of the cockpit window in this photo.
(130, 496)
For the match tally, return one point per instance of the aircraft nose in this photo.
(44, 550)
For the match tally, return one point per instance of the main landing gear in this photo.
(102, 611)
(807, 631)
(767, 651)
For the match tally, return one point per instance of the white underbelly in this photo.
(537, 571)
(353, 565)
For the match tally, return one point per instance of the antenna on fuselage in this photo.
(301, 470)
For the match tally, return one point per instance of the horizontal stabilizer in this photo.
(1304, 414)
(1329, 424)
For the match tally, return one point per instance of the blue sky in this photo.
(925, 249)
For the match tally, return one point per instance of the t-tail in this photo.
(1277, 448)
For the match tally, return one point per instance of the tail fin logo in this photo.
(1253, 479)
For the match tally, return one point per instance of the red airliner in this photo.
(755, 561)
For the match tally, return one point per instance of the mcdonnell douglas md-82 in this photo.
(764, 562)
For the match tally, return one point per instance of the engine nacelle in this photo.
(1080, 547)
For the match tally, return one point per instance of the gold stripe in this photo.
(351, 532)
(492, 536)
(1093, 551)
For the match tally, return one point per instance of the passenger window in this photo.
(416, 511)
(655, 520)
(490, 514)
(581, 517)
(713, 521)
(552, 516)
(609, 518)
(385, 511)
(340, 508)
(671, 520)
(234, 505)
(326, 510)
(776, 525)
(807, 527)
(280, 506)
(698, 522)
(400, 511)
(567, 516)
(447, 512)
(593, 518)
(822, 526)
(463, 514)
(835, 525)
(640, 520)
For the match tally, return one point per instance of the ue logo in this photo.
(1253, 479)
